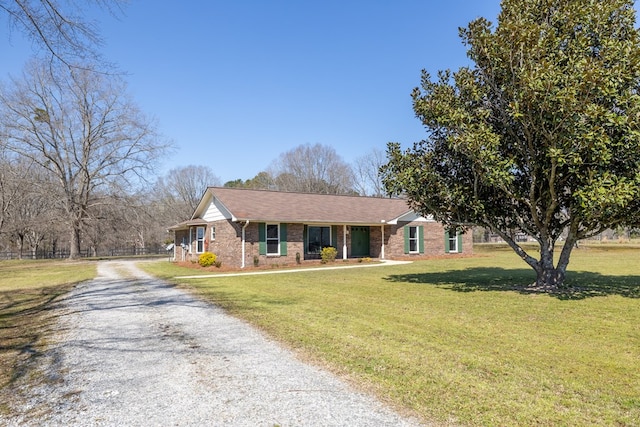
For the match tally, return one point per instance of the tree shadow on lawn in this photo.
(26, 318)
(578, 285)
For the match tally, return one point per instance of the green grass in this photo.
(461, 340)
(28, 290)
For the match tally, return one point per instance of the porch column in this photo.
(344, 242)
(244, 240)
(382, 242)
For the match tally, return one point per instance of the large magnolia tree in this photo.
(541, 135)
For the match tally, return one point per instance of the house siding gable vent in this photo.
(215, 211)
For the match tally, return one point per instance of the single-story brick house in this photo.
(243, 227)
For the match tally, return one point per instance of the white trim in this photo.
(344, 241)
(204, 238)
(244, 227)
(382, 244)
(416, 239)
(411, 216)
(455, 238)
(202, 204)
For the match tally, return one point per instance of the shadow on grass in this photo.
(25, 319)
(579, 285)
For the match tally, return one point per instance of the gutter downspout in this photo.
(382, 245)
(243, 242)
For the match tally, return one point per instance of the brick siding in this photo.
(228, 243)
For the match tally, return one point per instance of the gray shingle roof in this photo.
(263, 205)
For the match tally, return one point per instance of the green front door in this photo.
(359, 241)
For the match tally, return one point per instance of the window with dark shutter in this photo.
(273, 239)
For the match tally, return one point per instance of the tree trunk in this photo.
(74, 248)
(20, 244)
(549, 276)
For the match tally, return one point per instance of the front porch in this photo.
(351, 241)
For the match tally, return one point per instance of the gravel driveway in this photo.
(135, 351)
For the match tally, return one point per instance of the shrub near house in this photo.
(328, 254)
(206, 259)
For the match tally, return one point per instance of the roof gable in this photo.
(411, 216)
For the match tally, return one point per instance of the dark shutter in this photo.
(305, 239)
(446, 241)
(262, 238)
(405, 231)
(283, 239)
(421, 239)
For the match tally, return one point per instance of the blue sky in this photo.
(236, 83)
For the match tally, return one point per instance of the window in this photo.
(413, 240)
(453, 241)
(213, 233)
(273, 239)
(318, 238)
(199, 239)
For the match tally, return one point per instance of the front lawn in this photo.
(461, 340)
(28, 290)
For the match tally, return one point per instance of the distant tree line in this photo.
(319, 169)
(116, 219)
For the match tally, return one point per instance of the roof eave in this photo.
(185, 225)
(202, 202)
(311, 221)
(394, 221)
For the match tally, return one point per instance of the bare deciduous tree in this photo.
(121, 224)
(312, 169)
(59, 26)
(82, 128)
(366, 170)
(182, 188)
(9, 189)
(26, 204)
(33, 212)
